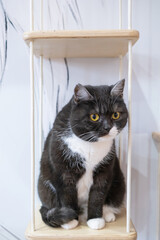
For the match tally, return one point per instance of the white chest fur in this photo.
(93, 152)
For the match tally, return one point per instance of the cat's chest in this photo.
(93, 153)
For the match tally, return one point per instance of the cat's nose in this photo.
(107, 129)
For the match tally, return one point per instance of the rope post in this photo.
(32, 138)
(41, 90)
(120, 76)
(41, 107)
(129, 136)
(120, 136)
(129, 14)
(120, 14)
(32, 94)
(129, 118)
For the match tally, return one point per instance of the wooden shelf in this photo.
(112, 231)
(78, 44)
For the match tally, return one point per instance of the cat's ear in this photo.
(117, 89)
(81, 94)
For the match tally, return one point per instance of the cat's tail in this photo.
(56, 217)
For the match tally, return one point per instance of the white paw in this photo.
(96, 223)
(109, 213)
(109, 217)
(70, 225)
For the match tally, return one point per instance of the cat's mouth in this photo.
(89, 138)
(112, 133)
(98, 136)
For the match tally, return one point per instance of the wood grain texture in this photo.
(77, 44)
(112, 231)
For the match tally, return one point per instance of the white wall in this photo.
(15, 105)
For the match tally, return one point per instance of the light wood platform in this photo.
(112, 231)
(78, 44)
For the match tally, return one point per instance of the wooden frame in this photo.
(55, 44)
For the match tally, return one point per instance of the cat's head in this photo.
(98, 111)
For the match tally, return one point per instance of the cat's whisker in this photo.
(91, 138)
(74, 125)
(83, 135)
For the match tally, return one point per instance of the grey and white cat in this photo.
(80, 177)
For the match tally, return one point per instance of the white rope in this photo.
(31, 15)
(129, 14)
(41, 107)
(32, 120)
(41, 90)
(32, 138)
(120, 136)
(41, 15)
(129, 135)
(129, 118)
(120, 76)
(120, 14)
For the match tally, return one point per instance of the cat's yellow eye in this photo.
(116, 115)
(94, 117)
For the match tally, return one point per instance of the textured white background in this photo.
(60, 78)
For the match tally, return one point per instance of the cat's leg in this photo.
(68, 197)
(104, 190)
(47, 193)
(57, 217)
(115, 196)
(83, 213)
(52, 212)
(95, 205)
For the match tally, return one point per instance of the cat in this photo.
(80, 177)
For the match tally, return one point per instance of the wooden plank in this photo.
(60, 44)
(112, 231)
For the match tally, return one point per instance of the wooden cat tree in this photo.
(89, 44)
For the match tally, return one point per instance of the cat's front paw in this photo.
(110, 217)
(70, 225)
(96, 223)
